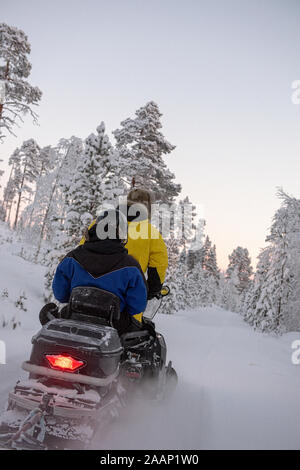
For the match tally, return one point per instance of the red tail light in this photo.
(65, 363)
(133, 375)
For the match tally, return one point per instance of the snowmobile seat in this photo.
(93, 305)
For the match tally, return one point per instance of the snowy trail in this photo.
(237, 388)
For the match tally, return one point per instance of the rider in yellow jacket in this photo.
(145, 243)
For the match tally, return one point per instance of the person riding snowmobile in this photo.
(106, 264)
(149, 248)
(145, 243)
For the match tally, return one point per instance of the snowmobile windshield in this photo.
(152, 308)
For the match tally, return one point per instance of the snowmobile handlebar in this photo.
(153, 308)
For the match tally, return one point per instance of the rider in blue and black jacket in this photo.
(106, 264)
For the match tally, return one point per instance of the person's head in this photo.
(110, 224)
(140, 197)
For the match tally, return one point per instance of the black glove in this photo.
(48, 312)
(153, 295)
(154, 283)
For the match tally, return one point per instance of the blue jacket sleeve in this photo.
(62, 280)
(136, 294)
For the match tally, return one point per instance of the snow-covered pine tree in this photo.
(15, 68)
(26, 171)
(53, 200)
(70, 156)
(142, 147)
(31, 214)
(240, 267)
(10, 190)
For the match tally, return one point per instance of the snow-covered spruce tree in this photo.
(240, 266)
(181, 234)
(278, 303)
(185, 222)
(15, 68)
(202, 277)
(253, 296)
(199, 287)
(142, 147)
(228, 296)
(113, 185)
(191, 286)
(175, 278)
(182, 298)
(208, 259)
(195, 253)
(211, 271)
(87, 189)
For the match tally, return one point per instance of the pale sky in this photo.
(221, 72)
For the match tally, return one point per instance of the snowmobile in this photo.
(82, 374)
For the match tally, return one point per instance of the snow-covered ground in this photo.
(237, 388)
(17, 276)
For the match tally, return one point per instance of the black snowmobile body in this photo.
(81, 374)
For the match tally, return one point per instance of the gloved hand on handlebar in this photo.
(153, 295)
